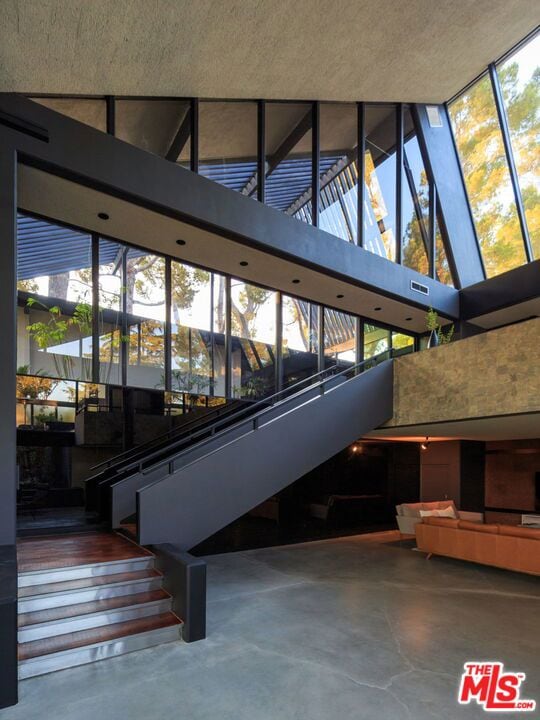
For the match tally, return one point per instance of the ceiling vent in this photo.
(418, 287)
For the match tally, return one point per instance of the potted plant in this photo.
(437, 335)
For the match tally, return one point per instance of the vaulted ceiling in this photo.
(418, 51)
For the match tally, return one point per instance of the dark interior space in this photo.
(353, 492)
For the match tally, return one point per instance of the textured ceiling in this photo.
(420, 50)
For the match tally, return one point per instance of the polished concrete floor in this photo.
(344, 628)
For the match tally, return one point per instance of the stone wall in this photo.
(495, 373)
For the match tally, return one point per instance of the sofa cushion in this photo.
(532, 533)
(441, 521)
(443, 512)
(478, 527)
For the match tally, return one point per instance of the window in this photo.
(376, 340)
(339, 338)
(161, 127)
(338, 206)
(288, 158)
(228, 144)
(90, 111)
(253, 323)
(519, 77)
(380, 181)
(111, 340)
(300, 339)
(487, 178)
(415, 201)
(54, 317)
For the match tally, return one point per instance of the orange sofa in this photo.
(503, 546)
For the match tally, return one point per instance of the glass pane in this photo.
(90, 111)
(145, 304)
(191, 337)
(338, 208)
(253, 323)
(54, 282)
(480, 146)
(415, 201)
(219, 327)
(339, 338)
(402, 343)
(153, 125)
(228, 144)
(442, 267)
(520, 82)
(110, 311)
(288, 158)
(376, 340)
(300, 346)
(380, 186)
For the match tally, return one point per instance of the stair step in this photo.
(82, 590)
(77, 648)
(72, 618)
(79, 572)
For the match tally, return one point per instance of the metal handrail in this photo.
(172, 431)
(254, 418)
(264, 401)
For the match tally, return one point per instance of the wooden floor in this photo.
(56, 551)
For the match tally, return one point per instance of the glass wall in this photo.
(253, 342)
(376, 340)
(145, 311)
(157, 126)
(90, 111)
(338, 206)
(380, 201)
(415, 204)
(288, 158)
(228, 144)
(300, 339)
(112, 343)
(54, 318)
(339, 338)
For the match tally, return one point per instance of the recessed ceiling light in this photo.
(244, 263)
(408, 319)
(296, 281)
(180, 242)
(377, 309)
(103, 216)
(340, 296)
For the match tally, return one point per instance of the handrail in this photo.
(263, 401)
(254, 417)
(172, 431)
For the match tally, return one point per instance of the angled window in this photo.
(157, 126)
(487, 178)
(339, 338)
(300, 339)
(519, 77)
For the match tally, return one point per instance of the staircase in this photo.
(88, 597)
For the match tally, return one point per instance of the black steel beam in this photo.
(168, 331)
(261, 150)
(110, 103)
(503, 122)
(228, 338)
(399, 182)
(315, 162)
(432, 234)
(361, 173)
(180, 139)
(95, 307)
(194, 137)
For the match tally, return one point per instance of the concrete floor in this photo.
(345, 628)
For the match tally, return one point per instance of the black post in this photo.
(359, 339)
(503, 122)
(194, 137)
(228, 339)
(315, 162)
(279, 342)
(432, 228)
(399, 180)
(168, 332)
(261, 150)
(320, 330)
(361, 167)
(110, 101)
(124, 344)
(8, 431)
(95, 308)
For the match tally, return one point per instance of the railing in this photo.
(255, 415)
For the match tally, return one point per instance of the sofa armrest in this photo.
(407, 525)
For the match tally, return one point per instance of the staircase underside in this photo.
(88, 597)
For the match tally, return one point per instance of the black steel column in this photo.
(228, 340)
(320, 331)
(399, 180)
(194, 136)
(110, 101)
(432, 231)
(279, 342)
(359, 339)
(315, 162)
(361, 168)
(95, 308)
(8, 431)
(168, 332)
(503, 122)
(261, 150)
(124, 343)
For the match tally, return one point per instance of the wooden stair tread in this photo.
(70, 611)
(81, 583)
(48, 552)
(70, 641)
